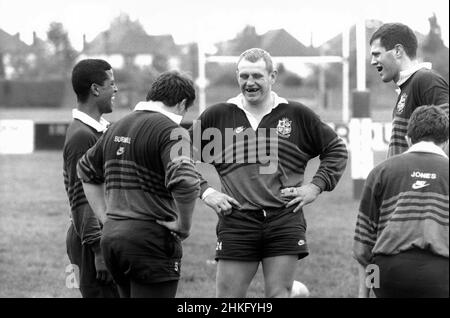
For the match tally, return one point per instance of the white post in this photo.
(361, 55)
(345, 75)
(201, 80)
(361, 124)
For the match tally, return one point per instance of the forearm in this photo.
(332, 165)
(86, 224)
(95, 194)
(186, 211)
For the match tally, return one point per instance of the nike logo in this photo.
(120, 151)
(420, 184)
(239, 129)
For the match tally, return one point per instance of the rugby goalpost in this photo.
(323, 59)
(360, 125)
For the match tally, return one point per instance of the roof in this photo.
(276, 42)
(282, 43)
(334, 45)
(127, 37)
(11, 43)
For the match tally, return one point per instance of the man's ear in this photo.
(94, 89)
(399, 51)
(445, 146)
(182, 106)
(408, 140)
(273, 76)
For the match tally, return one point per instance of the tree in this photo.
(433, 42)
(160, 63)
(434, 50)
(2, 66)
(64, 54)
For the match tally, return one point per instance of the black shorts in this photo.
(412, 274)
(253, 235)
(142, 251)
(83, 257)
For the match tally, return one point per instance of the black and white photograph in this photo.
(205, 149)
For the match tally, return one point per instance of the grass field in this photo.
(34, 217)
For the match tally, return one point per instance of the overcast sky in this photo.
(216, 20)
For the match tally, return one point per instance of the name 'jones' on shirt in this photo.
(424, 175)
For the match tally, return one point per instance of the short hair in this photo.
(171, 88)
(391, 34)
(428, 123)
(255, 54)
(85, 73)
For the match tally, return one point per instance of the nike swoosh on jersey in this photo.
(419, 184)
(239, 129)
(120, 151)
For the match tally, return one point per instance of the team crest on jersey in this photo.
(284, 127)
(401, 103)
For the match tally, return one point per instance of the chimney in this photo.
(34, 38)
(17, 35)
(84, 42)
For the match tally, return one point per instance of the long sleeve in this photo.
(333, 161)
(90, 166)
(181, 177)
(367, 221)
(332, 153)
(84, 221)
(195, 132)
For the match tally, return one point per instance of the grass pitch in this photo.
(34, 218)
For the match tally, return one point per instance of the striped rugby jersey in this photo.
(404, 205)
(82, 133)
(423, 87)
(263, 160)
(143, 179)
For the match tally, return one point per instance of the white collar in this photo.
(238, 100)
(406, 74)
(156, 107)
(427, 146)
(100, 126)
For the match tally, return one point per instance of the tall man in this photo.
(402, 225)
(394, 55)
(260, 210)
(93, 83)
(151, 184)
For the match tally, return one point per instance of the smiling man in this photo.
(93, 83)
(394, 55)
(151, 190)
(260, 211)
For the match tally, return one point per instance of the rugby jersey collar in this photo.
(155, 107)
(406, 74)
(427, 146)
(100, 126)
(238, 101)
